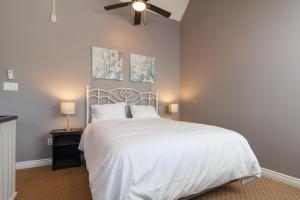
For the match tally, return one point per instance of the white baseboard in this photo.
(292, 181)
(33, 163)
(14, 196)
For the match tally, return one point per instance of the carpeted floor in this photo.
(72, 184)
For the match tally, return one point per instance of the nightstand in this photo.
(65, 151)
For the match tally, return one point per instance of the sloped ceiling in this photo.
(176, 7)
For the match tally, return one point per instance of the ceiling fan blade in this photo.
(137, 18)
(119, 5)
(158, 10)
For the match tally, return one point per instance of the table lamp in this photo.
(67, 108)
(173, 108)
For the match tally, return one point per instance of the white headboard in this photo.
(128, 95)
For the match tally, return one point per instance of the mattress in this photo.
(162, 159)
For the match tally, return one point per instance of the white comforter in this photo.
(159, 159)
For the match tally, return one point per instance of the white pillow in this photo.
(108, 111)
(141, 112)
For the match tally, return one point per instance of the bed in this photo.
(159, 159)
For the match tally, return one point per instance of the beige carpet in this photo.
(72, 184)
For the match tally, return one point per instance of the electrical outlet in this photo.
(49, 141)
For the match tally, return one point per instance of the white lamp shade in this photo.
(67, 108)
(173, 108)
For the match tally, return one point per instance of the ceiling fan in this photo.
(139, 6)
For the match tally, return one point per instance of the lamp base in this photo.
(173, 116)
(68, 123)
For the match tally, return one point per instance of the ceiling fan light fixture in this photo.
(139, 6)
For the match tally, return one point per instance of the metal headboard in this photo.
(128, 95)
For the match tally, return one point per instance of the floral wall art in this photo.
(142, 68)
(107, 64)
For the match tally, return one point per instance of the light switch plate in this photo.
(10, 86)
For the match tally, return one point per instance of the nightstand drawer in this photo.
(70, 139)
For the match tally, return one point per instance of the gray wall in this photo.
(52, 62)
(240, 70)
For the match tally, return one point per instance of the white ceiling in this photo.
(176, 7)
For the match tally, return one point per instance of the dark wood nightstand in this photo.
(65, 151)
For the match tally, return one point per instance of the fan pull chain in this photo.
(145, 19)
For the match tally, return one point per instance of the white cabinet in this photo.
(7, 158)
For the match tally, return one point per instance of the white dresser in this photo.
(8, 157)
